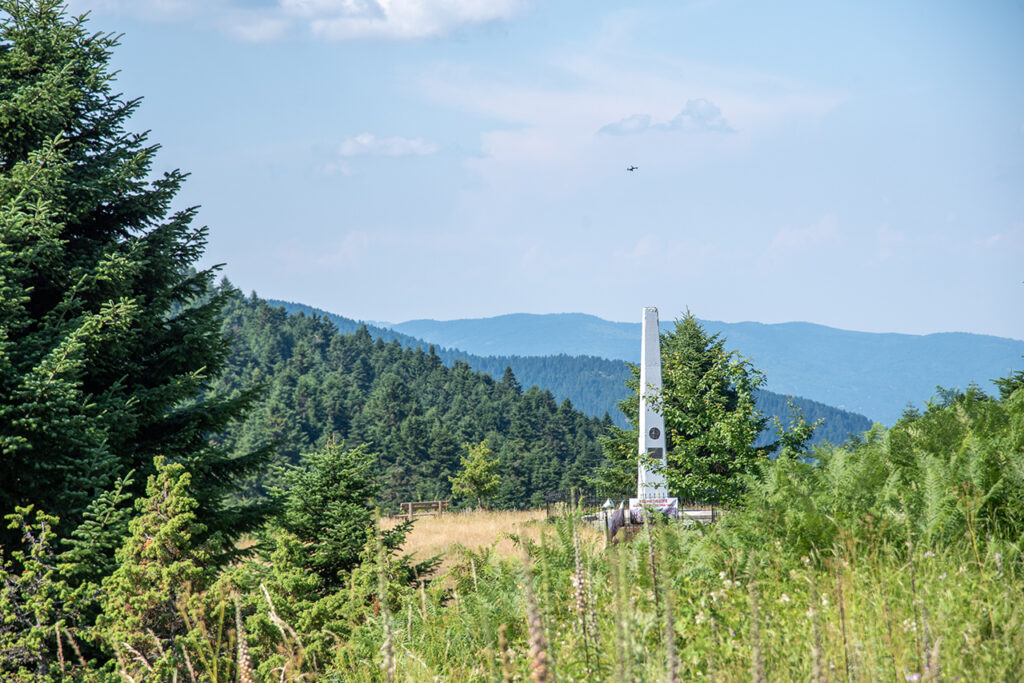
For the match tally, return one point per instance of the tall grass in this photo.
(894, 559)
(856, 613)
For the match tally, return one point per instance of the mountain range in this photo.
(877, 375)
(594, 385)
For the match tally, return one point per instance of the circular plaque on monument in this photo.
(655, 432)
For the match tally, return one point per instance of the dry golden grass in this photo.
(437, 534)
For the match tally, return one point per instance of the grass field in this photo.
(473, 529)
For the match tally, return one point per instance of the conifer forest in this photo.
(199, 485)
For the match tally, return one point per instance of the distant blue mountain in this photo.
(593, 385)
(876, 375)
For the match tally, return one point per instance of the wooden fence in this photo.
(428, 507)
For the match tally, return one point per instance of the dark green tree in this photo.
(108, 335)
(711, 421)
(328, 503)
(405, 404)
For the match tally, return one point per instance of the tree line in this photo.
(596, 385)
(416, 413)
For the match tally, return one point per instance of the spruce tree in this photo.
(328, 504)
(711, 420)
(108, 334)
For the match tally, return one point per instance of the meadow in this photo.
(449, 534)
(573, 609)
(896, 557)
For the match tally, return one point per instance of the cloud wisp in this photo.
(631, 125)
(395, 19)
(269, 20)
(699, 115)
(368, 144)
(790, 240)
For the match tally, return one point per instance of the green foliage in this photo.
(328, 505)
(161, 569)
(30, 600)
(898, 554)
(1008, 385)
(108, 336)
(479, 476)
(894, 556)
(951, 474)
(712, 423)
(594, 385)
(90, 549)
(404, 404)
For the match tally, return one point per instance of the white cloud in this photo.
(637, 123)
(700, 257)
(1008, 240)
(333, 168)
(697, 115)
(330, 19)
(553, 128)
(368, 144)
(700, 114)
(259, 29)
(400, 19)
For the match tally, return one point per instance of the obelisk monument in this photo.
(650, 480)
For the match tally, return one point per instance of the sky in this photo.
(858, 165)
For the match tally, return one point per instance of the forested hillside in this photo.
(596, 385)
(873, 374)
(409, 407)
(836, 425)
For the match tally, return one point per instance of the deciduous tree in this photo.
(479, 476)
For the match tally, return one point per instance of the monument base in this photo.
(638, 508)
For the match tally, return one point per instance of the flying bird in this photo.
(632, 168)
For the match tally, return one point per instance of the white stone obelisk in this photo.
(650, 480)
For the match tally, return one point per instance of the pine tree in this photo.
(108, 335)
(510, 381)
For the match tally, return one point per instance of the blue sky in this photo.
(859, 165)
